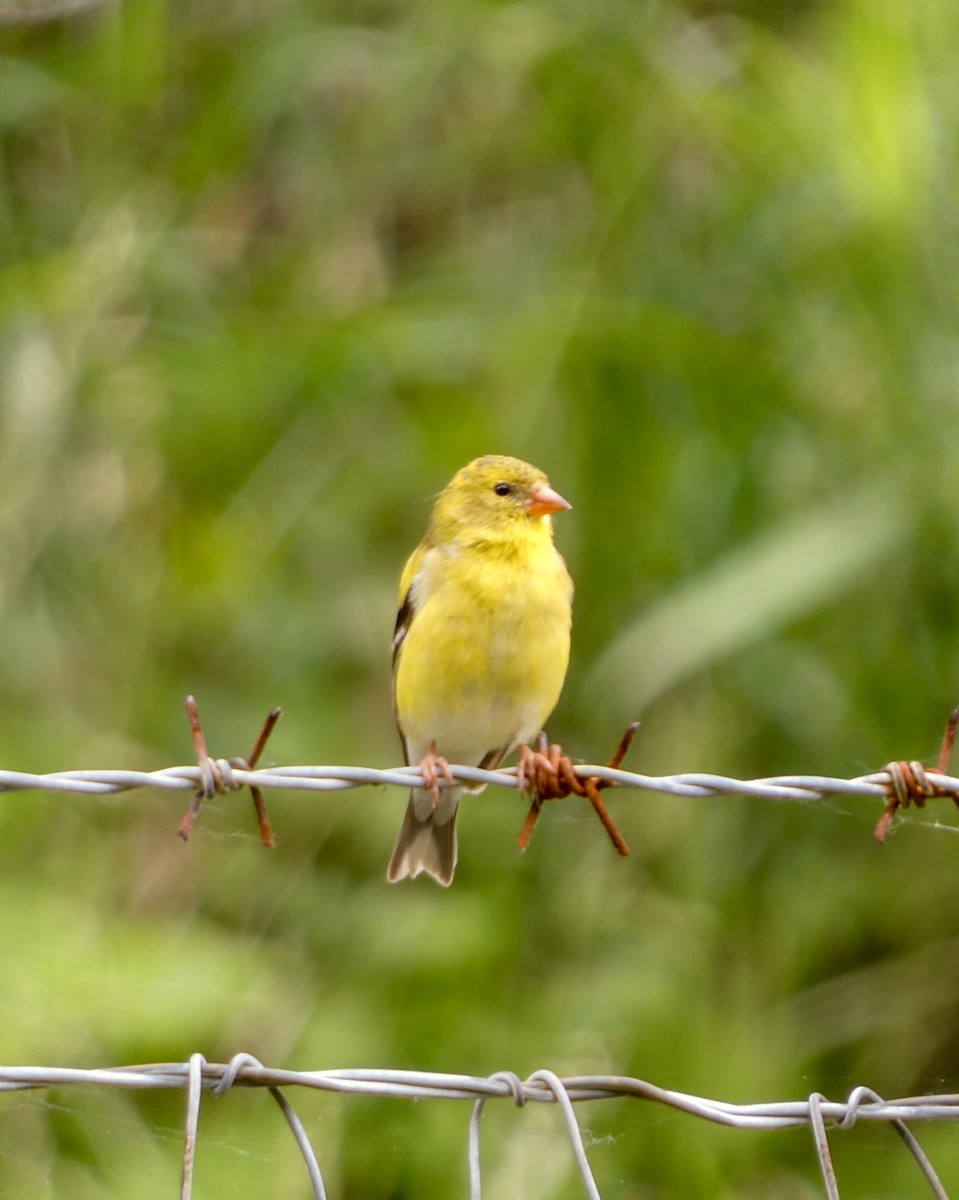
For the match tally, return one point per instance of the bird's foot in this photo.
(434, 767)
(541, 772)
(546, 773)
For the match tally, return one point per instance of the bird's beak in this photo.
(543, 500)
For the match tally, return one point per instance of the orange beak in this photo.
(543, 500)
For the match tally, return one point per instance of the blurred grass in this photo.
(268, 274)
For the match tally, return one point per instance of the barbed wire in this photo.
(244, 1070)
(543, 774)
(802, 789)
(222, 775)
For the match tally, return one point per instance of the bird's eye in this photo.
(502, 489)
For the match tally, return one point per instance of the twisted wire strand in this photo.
(197, 1076)
(225, 775)
(862, 1104)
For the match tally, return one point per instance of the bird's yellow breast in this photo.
(483, 662)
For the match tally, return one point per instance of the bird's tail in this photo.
(427, 841)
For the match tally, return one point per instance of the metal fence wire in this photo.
(198, 1076)
(898, 785)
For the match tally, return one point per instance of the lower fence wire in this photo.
(197, 1076)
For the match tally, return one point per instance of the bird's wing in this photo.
(409, 598)
(409, 603)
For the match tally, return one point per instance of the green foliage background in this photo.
(269, 273)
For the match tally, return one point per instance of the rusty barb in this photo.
(217, 774)
(546, 773)
(912, 783)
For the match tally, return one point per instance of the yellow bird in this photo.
(481, 645)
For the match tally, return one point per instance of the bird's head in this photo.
(496, 494)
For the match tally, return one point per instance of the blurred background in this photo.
(270, 272)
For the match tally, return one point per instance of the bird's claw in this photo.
(433, 768)
(541, 773)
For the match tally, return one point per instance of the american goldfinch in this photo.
(481, 644)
